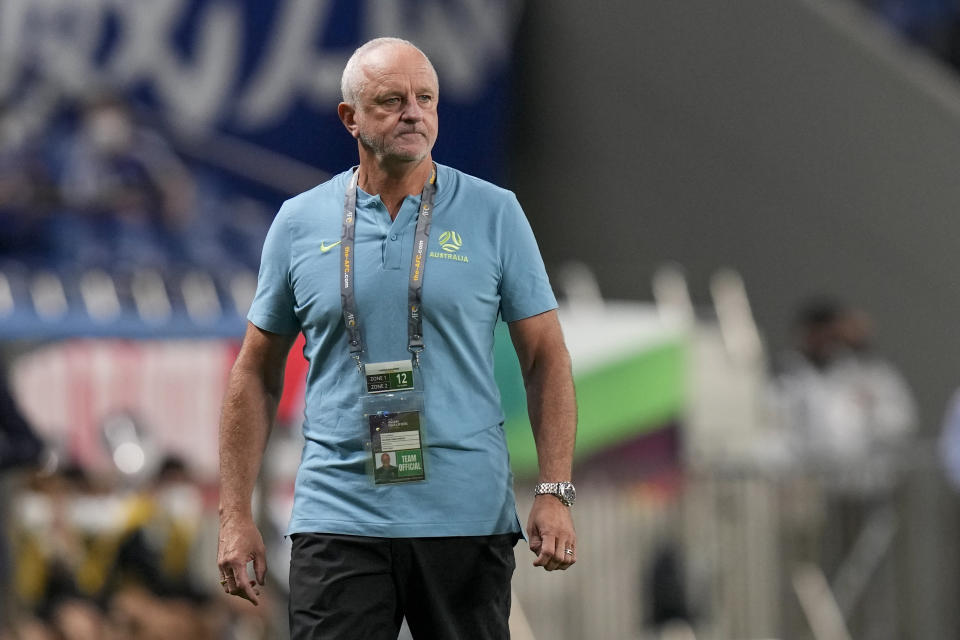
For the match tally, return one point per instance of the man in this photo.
(386, 471)
(846, 410)
(399, 335)
(848, 417)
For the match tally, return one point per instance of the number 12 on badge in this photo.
(382, 377)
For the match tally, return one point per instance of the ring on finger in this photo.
(569, 552)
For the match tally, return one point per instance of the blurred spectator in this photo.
(161, 533)
(127, 196)
(27, 189)
(60, 556)
(94, 562)
(849, 418)
(844, 407)
(93, 187)
(158, 588)
(95, 559)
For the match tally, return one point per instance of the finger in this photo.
(556, 559)
(242, 594)
(560, 559)
(535, 544)
(554, 556)
(260, 567)
(244, 585)
(226, 575)
(547, 547)
(568, 557)
(230, 586)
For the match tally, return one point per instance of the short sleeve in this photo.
(273, 306)
(524, 287)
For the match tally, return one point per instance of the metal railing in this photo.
(756, 554)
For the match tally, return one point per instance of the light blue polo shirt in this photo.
(482, 260)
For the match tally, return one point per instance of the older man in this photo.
(399, 335)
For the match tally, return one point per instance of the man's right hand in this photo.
(239, 543)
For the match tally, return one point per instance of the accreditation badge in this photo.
(393, 415)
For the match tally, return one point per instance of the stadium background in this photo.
(805, 145)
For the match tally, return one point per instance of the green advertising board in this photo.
(630, 377)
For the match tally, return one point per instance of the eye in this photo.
(391, 100)
(425, 97)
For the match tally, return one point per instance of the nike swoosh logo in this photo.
(324, 247)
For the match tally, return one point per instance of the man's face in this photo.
(385, 459)
(396, 114)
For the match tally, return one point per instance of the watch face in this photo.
(567, 493)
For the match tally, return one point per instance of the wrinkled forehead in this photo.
(398, 62)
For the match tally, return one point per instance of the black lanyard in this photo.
(417, 266)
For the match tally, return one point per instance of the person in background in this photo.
(28, 190)
(124, 187)
(61, 537)
(840, 401)
(160, 534)
(850, 419)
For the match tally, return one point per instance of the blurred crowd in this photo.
(93, 559)
(90, 185)
(105, 555)
(84, 554)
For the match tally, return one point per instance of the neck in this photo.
(393, 182)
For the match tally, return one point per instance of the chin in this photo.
(411, 152)
(407, 156)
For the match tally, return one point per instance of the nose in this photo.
(413, 112)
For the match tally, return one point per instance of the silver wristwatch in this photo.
(565, 491)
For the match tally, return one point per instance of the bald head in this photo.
(377, 52)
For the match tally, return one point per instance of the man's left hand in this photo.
(551, 533)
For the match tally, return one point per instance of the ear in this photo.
(348, 116)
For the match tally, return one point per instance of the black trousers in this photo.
(354, 587)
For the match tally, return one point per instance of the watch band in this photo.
(546, 487)
(565, 492)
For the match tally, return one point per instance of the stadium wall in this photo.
(799, 142)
